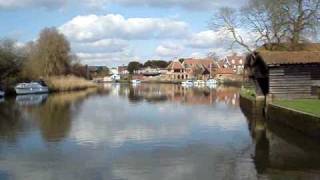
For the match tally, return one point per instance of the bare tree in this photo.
(228, 20)
(272, 22)
(303, 17)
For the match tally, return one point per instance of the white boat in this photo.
(31, 88)
(199, 83)
(187, 83)
(135, 81)
(211, 81)
(1, 93)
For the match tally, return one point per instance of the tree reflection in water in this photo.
(55, 114)
(11, 120)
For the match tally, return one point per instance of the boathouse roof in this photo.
(289, 57)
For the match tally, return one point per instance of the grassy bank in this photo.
(248, 93)
(304, 105)
(68, 83)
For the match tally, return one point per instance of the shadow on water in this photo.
(280, 152)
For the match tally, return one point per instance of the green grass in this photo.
(248, 93)
(304, 105)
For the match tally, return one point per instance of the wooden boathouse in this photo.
(285, 74)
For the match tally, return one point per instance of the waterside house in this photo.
(285, 74)
(191, 69)
(234, 62)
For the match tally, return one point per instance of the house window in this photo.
(178, 76)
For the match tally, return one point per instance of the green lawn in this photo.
(304, 105)
(248, 93)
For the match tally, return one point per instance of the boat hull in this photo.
(23, 91)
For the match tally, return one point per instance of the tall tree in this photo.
(50, 55)
(11, 59)
(133, 66)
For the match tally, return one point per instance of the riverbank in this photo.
(310, 106)
(68, 83)
(296, 115)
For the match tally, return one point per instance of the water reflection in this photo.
(157, 93)
(11, 121)
(150, 131)
(32, 99)
(282, 153)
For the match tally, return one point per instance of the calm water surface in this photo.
(156, 132)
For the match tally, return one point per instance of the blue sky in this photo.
(114, 32)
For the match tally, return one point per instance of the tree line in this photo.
(135, 65)
(50, 55)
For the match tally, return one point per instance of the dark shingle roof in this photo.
(290, 57)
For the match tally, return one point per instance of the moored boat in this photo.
(135, 81)
(199, 83)
(187, 83)
(35, 87)
(211, 81)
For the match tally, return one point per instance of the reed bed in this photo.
(68, 83)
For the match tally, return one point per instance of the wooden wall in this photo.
(293, 81)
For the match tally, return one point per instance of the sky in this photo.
(114, 32)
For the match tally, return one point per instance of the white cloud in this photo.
(104, 45)
(184, 4)
(93, 28)
(206, 39)
(14, 4)
(110, 59)
(169, 50)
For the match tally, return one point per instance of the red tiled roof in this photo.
(175, 65)
(206, 62)
(224, 71)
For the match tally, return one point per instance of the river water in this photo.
(147, 132)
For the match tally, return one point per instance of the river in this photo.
(147, 132)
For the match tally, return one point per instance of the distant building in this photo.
(114, 71)
(176, 71)
(285, 74)
(235, 62)
(123, 70)
(191, 69)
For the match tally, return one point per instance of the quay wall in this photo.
(305, 123)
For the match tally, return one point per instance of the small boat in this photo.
(35, 87)
(187, 83)
(135, 81)
(199, 83)
(211, 81)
